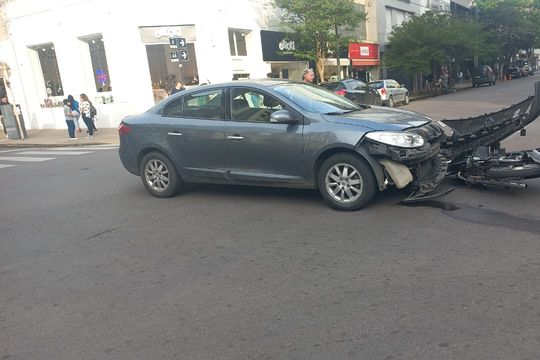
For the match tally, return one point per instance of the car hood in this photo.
(380, 118)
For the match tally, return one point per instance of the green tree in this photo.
(312, 24)
(427, 41)
(512, 23)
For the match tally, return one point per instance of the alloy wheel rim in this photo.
(344, 183)
(157, 175)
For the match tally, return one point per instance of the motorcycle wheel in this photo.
(521, 171)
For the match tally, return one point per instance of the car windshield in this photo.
(376, 84)
(316, 99)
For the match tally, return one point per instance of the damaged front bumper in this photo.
(421, 169)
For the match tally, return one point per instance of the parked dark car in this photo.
(515, 72)
(281, 133)
(355, 90)
(524, 67)
(483, 75)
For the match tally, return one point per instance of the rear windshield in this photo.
(376, 84)
(329, 86)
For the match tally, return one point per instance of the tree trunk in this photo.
(320, 61)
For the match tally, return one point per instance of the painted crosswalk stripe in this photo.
(5, 166)
(53, 152)
(25, 158)
(85, 148)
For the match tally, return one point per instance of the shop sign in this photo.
(274, 43)
(364, 54)
(162, 34)
(286, 45)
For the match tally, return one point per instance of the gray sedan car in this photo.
(281, 133)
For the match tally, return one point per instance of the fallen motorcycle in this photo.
(473, 150)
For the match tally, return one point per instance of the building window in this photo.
(237, 42)
(100, 69)
(49, 68)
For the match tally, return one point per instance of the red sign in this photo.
(363, 54)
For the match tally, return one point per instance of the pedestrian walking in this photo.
(71, 119)
(85, 106)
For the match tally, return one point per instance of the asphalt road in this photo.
(93, 267)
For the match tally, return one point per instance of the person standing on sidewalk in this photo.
(308, 76)
(85, 113)
(71, 119)
(74, 105)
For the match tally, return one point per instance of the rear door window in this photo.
(204, 105)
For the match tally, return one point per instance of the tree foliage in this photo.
(426, 41)
(312, 25)
(514, 24)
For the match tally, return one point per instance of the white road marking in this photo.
(53, 153)
(5, 166)
(25, 158)
(77, 148)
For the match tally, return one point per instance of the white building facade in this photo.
(118, 53)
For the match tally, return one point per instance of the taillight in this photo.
(340, 92)
(124, 129)
(383, 91)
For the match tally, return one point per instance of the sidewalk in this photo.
(59, 137)
(457, 87)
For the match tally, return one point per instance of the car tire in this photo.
(407, 100)
(390, 102)
(159, 175)
(378, 102)
(346, 182)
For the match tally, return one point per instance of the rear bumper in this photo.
(127, 158)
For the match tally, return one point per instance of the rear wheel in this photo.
(522, 171)
(159, 175)
(391, 102)
(346, 182)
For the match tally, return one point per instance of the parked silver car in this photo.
(391, 91)
(281, 133)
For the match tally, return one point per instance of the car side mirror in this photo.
(282, 117)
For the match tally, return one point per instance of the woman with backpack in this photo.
(88, 112)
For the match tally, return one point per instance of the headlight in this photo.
(400, 138)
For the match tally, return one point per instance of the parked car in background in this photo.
(483, 75)
(514, 72)
(524, 67)
(391, 92)
(282, 133)
(355, 90)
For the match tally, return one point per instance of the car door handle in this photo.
(235, 137)
(174, 133)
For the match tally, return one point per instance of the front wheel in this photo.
(406, 101)
(159, 175)
(346, 182)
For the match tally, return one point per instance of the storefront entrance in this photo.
(165, 70)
